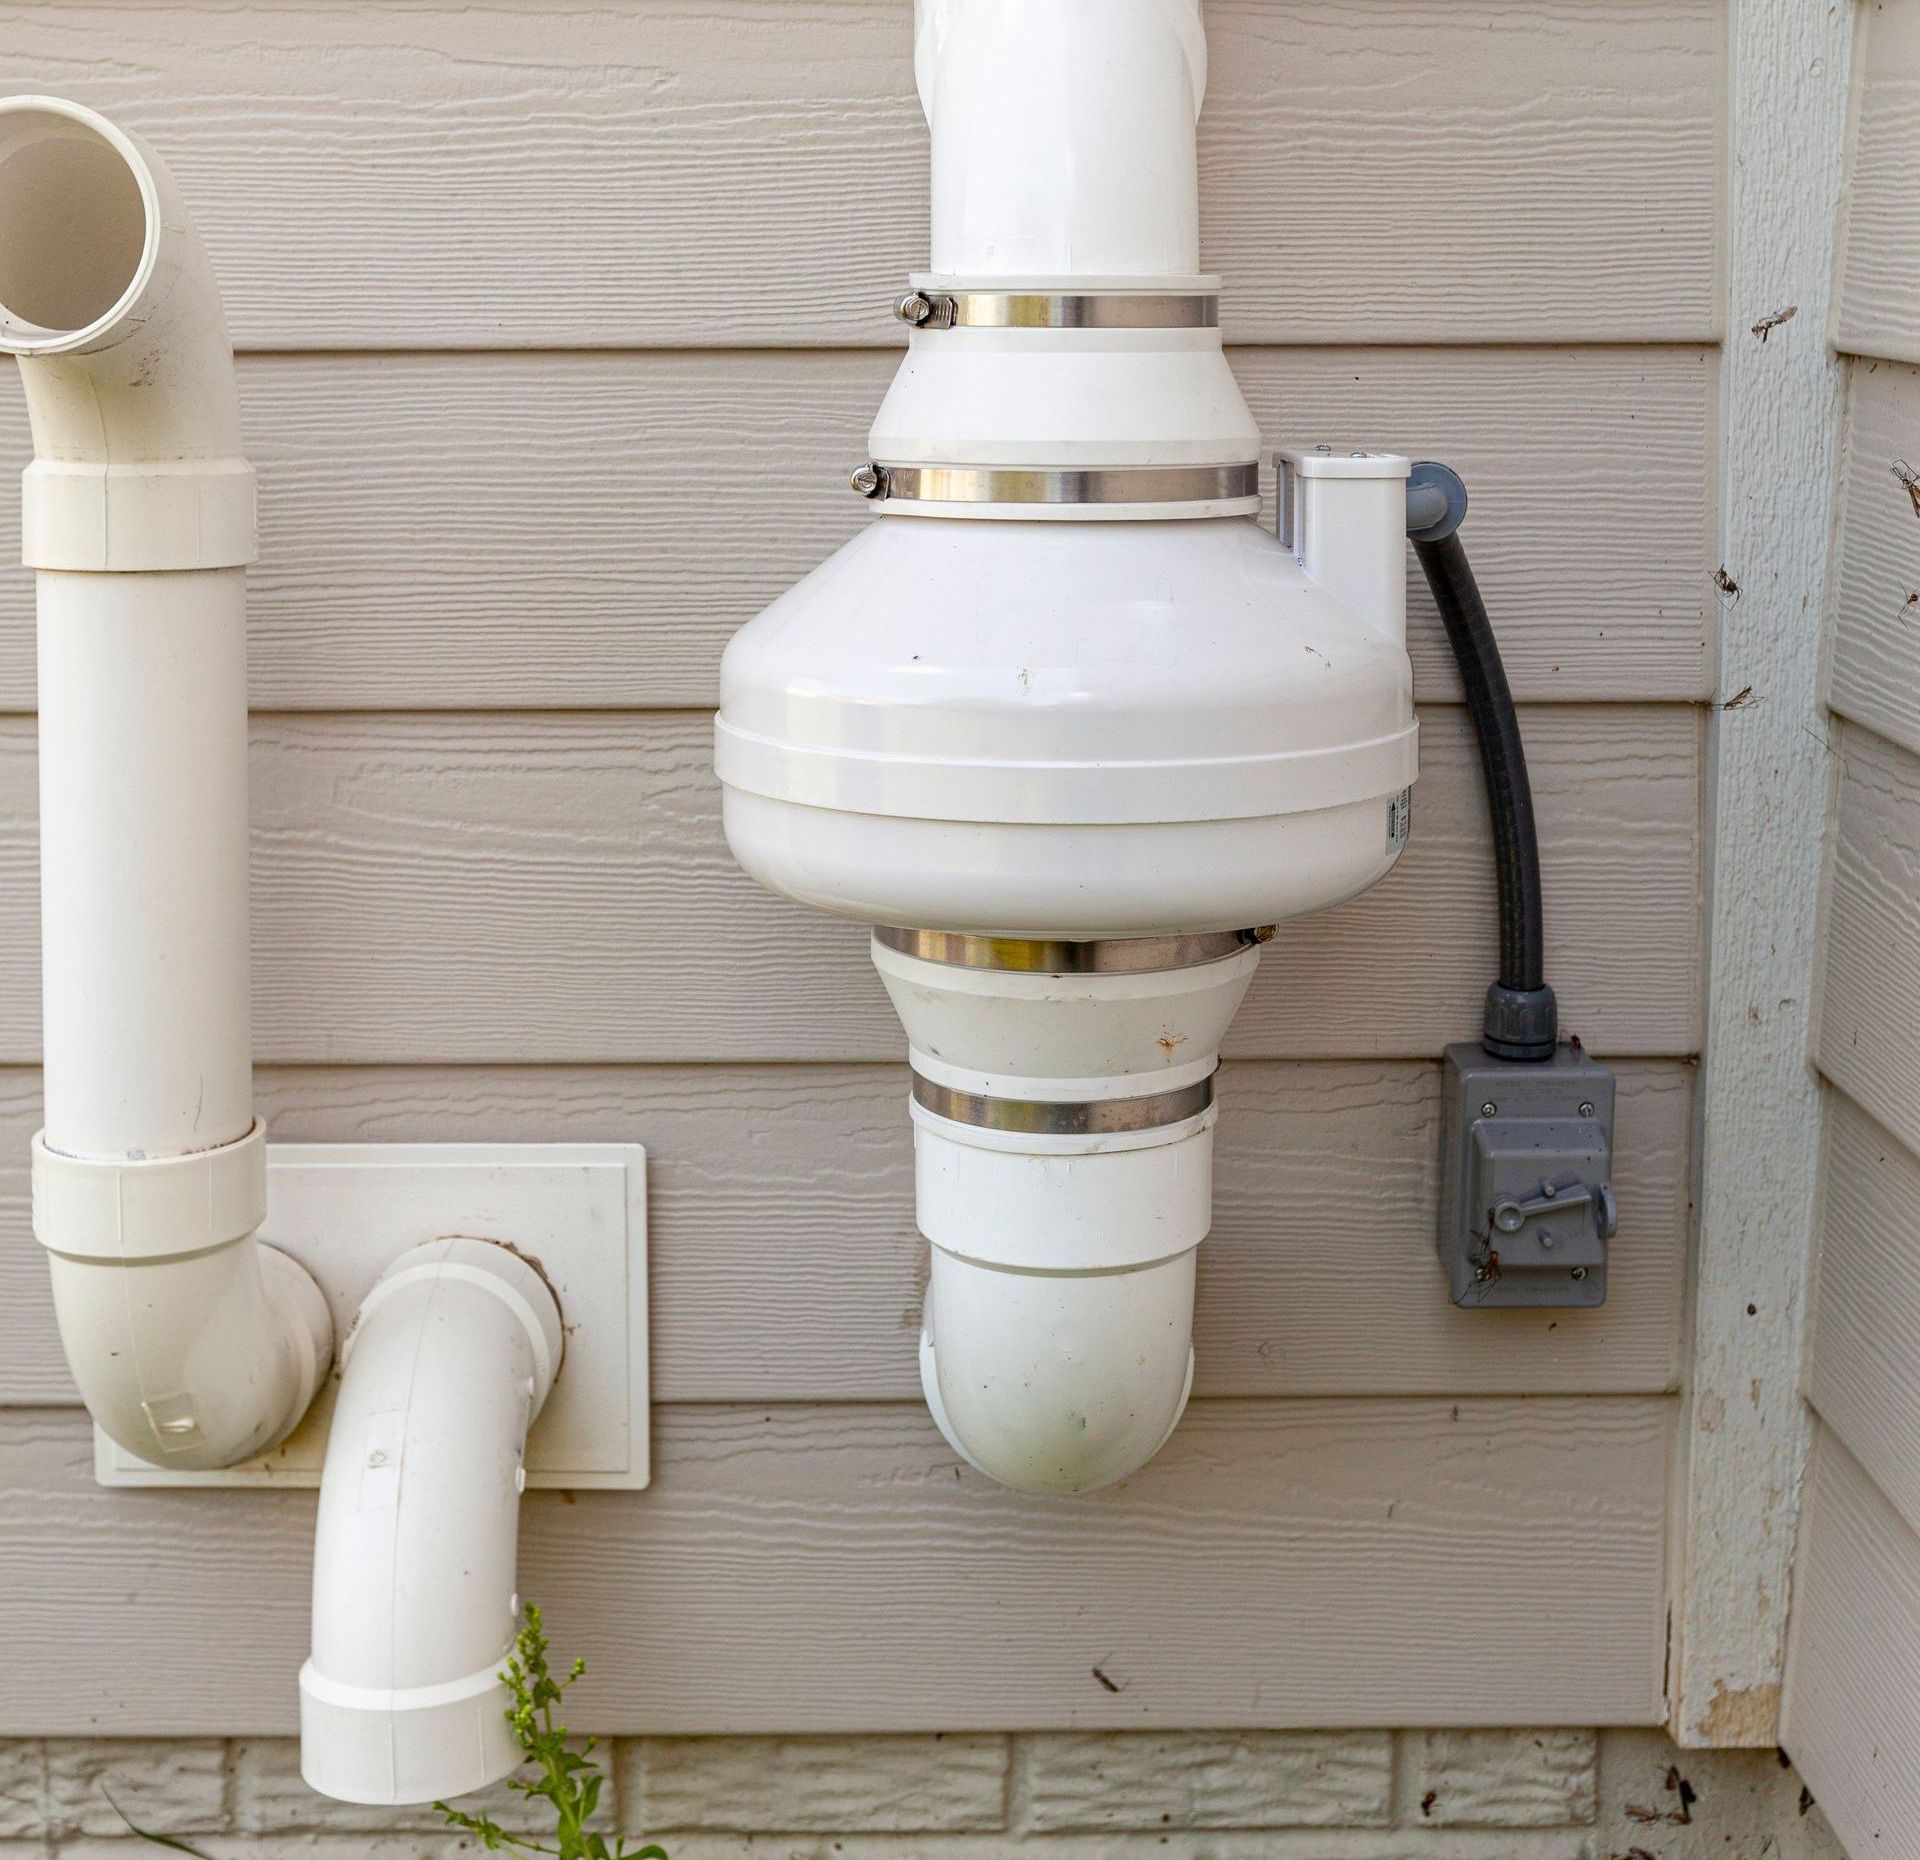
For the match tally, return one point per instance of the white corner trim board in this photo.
(193, 1346)
(1744, 1441)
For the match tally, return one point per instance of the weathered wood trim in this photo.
(1744, 1432)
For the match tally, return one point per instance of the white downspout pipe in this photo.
(414, 1603)
(193, 1345)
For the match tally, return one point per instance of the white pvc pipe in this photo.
(1056, 1348)
(143, 862)
(414, 1604)
(192, 1345)
(1063, 136)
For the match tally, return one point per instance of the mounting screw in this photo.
(1489, 1108)
(869, 480)
(1579, 1273)
(1546, 1240)
(1480, 1275)
(914, 308)
(1586, 1110)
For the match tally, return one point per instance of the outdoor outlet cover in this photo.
(1526, 1198)
(578, 1210)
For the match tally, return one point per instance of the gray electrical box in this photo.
(1526, 1199)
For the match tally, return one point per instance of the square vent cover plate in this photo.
(579, 1210)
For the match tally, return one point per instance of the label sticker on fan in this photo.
(1399, 819)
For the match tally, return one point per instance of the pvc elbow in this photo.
(109, 301)
(414, 1593)
(1063, 1160)
(1057, 1382)
(193, 1345)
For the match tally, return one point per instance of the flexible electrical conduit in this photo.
(1522, 1021)
(193, 1345)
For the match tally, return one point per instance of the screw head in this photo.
(1489, 1108)
(868, 480)
(1479, 1275)
(1579, 1273)
(914, 308)
(1586, 1109)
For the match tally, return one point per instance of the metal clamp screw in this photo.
(869, 480)
(1489, 1109)
(922, 310)
(1586, 1110)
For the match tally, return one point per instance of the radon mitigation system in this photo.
(1075, 731)
(1065, 724)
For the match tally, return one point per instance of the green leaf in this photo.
(146, 1834)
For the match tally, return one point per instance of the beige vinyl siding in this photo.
(560, 328)
(775, 1281)
(832, 1567)
(541, 531)
(1852, 1715)
(753, 172)
(526, 887)
(1853, 1697)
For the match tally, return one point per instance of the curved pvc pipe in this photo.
(1063, 136)
(1056, 1348)
(414, 1603)
(192, 1345)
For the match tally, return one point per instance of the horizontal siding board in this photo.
(785, 1265)
(558, 174)
(1874, 665)
(1865, 1376)
(809, 1568)
(1852, 1716)
(1877, 309)
(523, 888)
(1869, 1026)
(530, 531)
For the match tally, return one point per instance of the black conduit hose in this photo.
(1521, 1019)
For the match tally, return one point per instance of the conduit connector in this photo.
(414, 1591)
(193, 1346)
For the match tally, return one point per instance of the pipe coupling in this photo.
(156, 1208)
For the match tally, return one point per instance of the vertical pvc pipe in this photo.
(1063, 136)
(143, 864)
(192, 1345)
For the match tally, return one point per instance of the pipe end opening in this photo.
(78, 224)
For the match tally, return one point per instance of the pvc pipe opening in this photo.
(78, 225)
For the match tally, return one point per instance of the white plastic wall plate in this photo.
(579, 1210)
